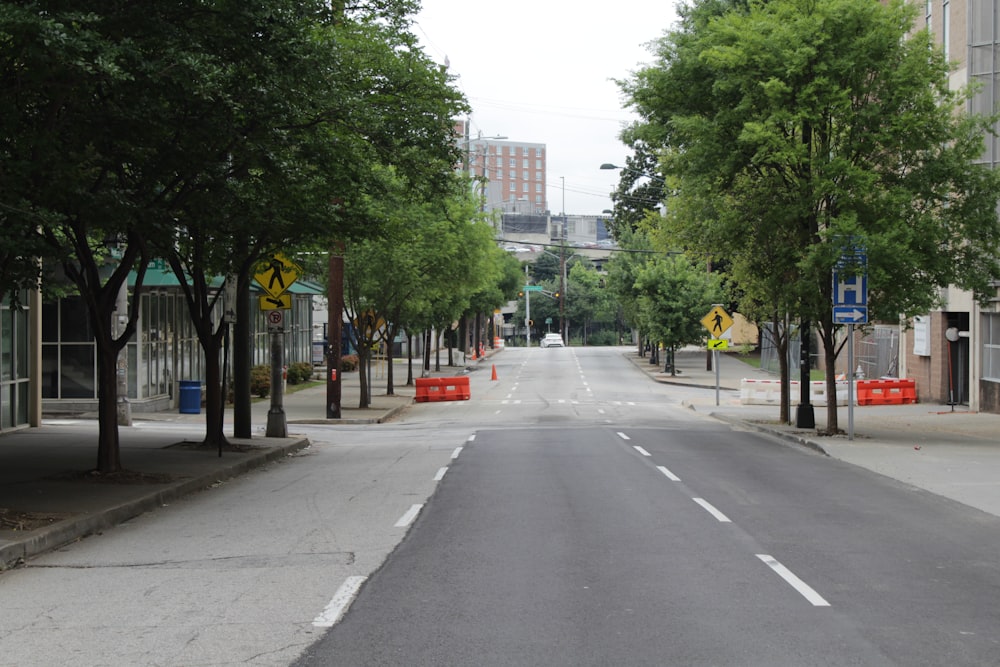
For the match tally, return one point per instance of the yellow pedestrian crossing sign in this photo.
(717, 321)
(718, 344)
(276, 274)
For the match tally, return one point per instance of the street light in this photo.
(608, 165)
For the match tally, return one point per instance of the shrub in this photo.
(300, 371)
(349, 362)
(260, 381)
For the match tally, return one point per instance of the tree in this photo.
(640, 190)
(674, 294)
(588, 303)
(623, 270)
(846, 124)
(213, 132)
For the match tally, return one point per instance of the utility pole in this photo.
(334, 331)
(804, 415)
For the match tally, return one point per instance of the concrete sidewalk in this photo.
(944, 449)
(955, 454)
(47, 500)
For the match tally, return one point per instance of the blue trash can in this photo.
(190, 397)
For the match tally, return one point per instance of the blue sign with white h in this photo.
(850, 290)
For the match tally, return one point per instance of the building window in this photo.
(513, 162)
(991, 347)
(538, 164)
(14, 365)
(69, 358)
(524, 163)
(524, 175)
(538, 187)
(946, 27)
(524, 187)
(513, 186)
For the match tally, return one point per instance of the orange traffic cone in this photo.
(494, 372)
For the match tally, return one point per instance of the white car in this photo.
(552, 340)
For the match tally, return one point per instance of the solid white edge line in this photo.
(711, 510)
(471, 438)
(454, 454)
(340, 603)
(410, 515)
(670, 475)
(623, 436)
(641, 450)
(802, 587)
(440, 474)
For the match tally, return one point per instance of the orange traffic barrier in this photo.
(888, 391)
(443, 389)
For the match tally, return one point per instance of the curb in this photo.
(69, 530)
(784, 435)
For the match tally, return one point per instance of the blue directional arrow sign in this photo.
(850, 314)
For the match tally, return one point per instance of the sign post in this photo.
(850, 307)
(718, 322)
(275, 275)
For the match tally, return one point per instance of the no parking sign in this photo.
(275, 320)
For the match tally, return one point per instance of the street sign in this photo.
(280, 302)
(275, 320)
(718, 344)
(850, 290)
(850, 314)
(717, 321)
(276, 274)
(850, 286)
(532, 288)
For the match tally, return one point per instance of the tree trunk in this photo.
(828, 334)
(364, 357)
(781, 341)
(437, 349)
(108, 445)
(214, 402)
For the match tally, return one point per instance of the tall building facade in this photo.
(511, 174)
(954, 353)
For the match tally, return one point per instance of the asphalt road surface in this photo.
(576, 538)
(571, 513)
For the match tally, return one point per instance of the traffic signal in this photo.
(531, 323)
(520, 294)
(555, 294)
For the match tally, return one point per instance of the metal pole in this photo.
(850, 382)
(277, 426)
(334, 330)
(527, 317)
(804, 415)
(716, 355)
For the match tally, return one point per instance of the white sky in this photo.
(542, 71)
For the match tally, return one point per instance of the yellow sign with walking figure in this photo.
(717, 321)
(276, 274)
